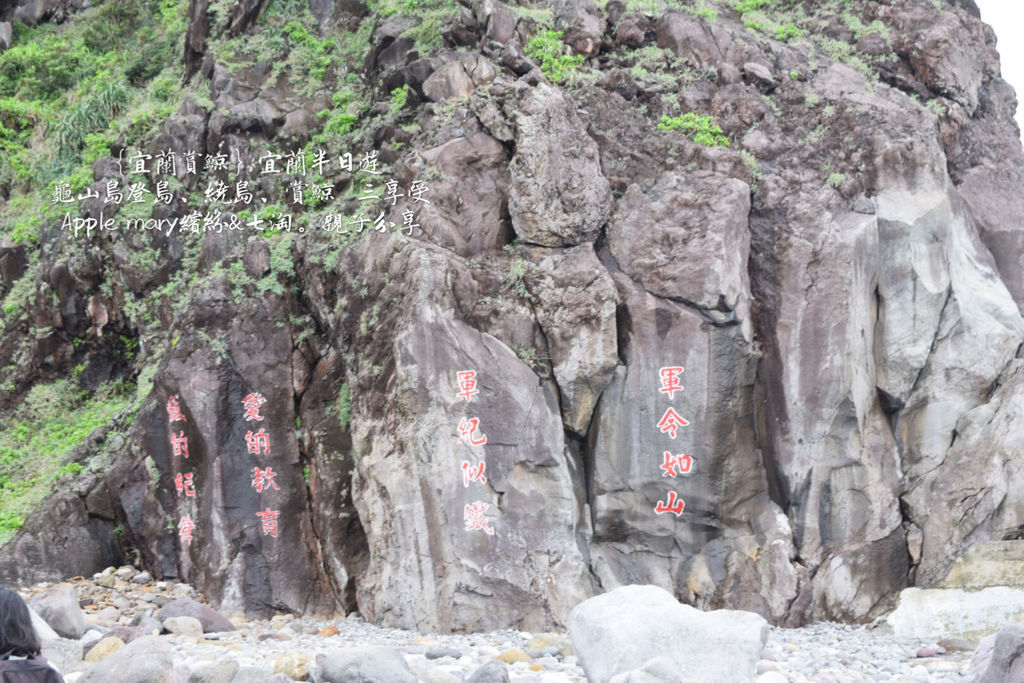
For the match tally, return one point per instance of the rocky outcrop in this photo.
(413, 458)
(557, 194)
(757, 376)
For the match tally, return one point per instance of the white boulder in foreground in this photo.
(934, 613)
(642, 633)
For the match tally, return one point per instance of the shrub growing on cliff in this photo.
(342, 405)
(700, 129)
(548, 49)
(399, 98)
(744, 6)
(51, 422)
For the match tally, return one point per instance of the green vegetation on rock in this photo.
(40, 434)
(549, 51)
(700, 129)
(67, 91)
(342, 406)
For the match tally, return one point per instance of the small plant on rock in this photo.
(744, 6)
(548, 49)
(788, 31)
(515, 275)
(700, 129)
(399, 97)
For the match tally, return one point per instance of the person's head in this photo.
(16, 631)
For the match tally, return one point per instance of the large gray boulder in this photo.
(210, 620)
(558, 195)
(491, 672)
(43, 630)
(999, 658)
(370, 664)
(58, 606)
(637, 631)
(146, 660)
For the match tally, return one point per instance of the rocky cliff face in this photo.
(841, 286)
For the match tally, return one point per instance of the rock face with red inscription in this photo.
(570, 298)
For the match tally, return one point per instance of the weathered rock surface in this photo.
(695, 243)
(999, 657)
(185, 608)
(363, 665)
(557, 195)
(184, 626)
(841, 288)
(147, 660)
(638, 633)
(972, 615)
(43, 629)
(991, 563)
(527, 502)
(468, 212)
(59, 608)
(103, 649)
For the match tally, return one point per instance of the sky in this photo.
(1007, 17)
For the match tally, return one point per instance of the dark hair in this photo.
(17, 635)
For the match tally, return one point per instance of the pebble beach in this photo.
(121, 599)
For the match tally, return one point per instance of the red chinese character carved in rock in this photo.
(185, 528)
(670, 422)
(262, 479)
(670, 381)
(474, 518)
(470, 473)
(252, 404)
(268, 518)
(260, 441)
(467, 382)
(183, 483)
(467, 428)
(179, 442)
(674, 505)
(174, 410)
(676, 464)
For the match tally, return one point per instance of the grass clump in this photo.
(788, 31)
(399, 98)
(700, 129)
(343, 405)
(41, 433)
(340, 121)
(745, 6)
(515, 277)
(69, 90)
(549, 51)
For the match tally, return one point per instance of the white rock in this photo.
(644, 630)
(951, 612)
(184, 626)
